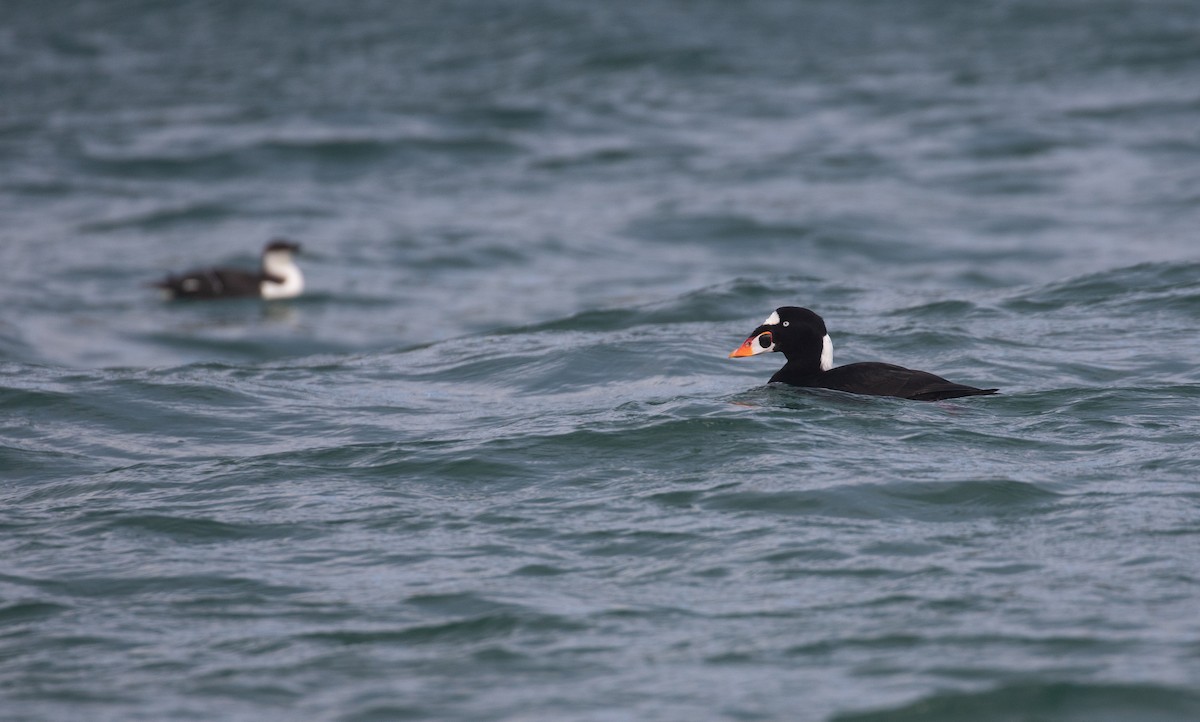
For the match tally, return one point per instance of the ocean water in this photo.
(495, 464)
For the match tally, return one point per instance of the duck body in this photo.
(279, 277)
(800, 335)
(210, 283)
(879, 379)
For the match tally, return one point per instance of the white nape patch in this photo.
(280, 265)
(826, 353)
(772, 320)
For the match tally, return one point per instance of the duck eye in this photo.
(764, 340)
(785, 323)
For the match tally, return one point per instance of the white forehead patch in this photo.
(772, 320)
(826, 353)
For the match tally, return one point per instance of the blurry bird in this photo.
(279, 277)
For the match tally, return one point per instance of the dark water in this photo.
(495, 464)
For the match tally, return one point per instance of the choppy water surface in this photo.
(495, 464)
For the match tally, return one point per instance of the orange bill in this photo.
(747, 347)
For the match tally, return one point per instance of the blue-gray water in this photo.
(495, 465)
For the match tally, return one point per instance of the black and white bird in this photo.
(801, 336)
(279, 277)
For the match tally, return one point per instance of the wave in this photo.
(1171, 286)
(1059, 700)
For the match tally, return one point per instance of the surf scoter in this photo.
(800, 334)
(279, 277)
